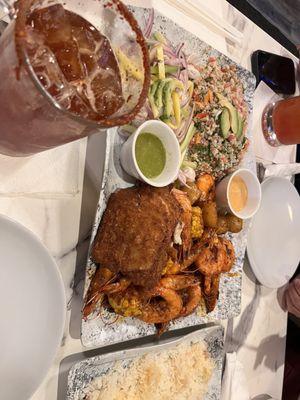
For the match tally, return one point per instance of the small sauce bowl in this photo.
(254, 193)
(172, 148)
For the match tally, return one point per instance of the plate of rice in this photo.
(185, 368)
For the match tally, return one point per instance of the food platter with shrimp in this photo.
(165, 258)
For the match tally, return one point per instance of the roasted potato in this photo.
(209, 214)
(235, 224)
(192, 191)
(229, 223)
(222, 225)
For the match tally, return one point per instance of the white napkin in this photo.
(263, 151)
(282, 170)
(234, 383)
(52, 173)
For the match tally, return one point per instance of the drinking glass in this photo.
(31, 120)
(281, 122)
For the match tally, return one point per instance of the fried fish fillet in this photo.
(136, 233)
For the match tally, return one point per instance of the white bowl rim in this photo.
(177, 148)
(237, 213)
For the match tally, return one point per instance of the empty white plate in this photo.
(273, 244)
(32, 311)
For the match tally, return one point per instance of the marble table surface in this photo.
(63, 222)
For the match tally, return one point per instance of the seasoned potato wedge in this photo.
(210, 215)
(235, 224)
(222, 225)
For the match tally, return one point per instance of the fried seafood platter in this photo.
(160, 253)
(165, 258)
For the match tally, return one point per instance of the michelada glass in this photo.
(68, 69)
(281, 122)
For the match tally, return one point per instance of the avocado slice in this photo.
(239, 134)
(233, 114)
(225, 122)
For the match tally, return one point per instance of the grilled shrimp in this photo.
(158, 311)
(191, 299)
(229, 254)
(212, 257)
(101, 277)
(115, 287)
(189, 287)
(178, 282)
(175, 267)
(211, 291)
(154, 306)
(103, 282)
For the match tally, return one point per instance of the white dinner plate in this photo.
(32, 311)
(273, 245)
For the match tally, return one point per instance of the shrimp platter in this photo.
(157, 256)
(166, 258)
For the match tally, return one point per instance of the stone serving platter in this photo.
(105, 329)
(82, 373)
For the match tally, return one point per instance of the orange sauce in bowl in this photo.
(238, 193)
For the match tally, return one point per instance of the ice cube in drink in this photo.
(74, 62)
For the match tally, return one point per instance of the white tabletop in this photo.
(63, 223)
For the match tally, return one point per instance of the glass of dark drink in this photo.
(67, 70)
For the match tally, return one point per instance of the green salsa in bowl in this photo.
(152, 154)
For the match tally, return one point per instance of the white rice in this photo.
(179, 373)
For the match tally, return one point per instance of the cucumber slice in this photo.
(158, 94)
(167, 99)
(151, 99)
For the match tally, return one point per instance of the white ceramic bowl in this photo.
(254, 193)
(171, 145)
